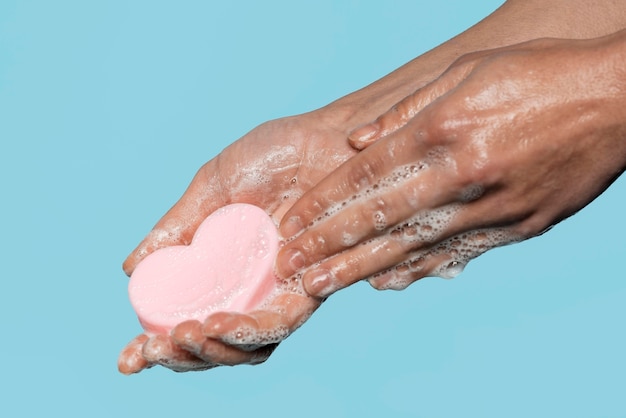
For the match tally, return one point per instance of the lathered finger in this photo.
(446, 260)
(459, 235)
(131, 359)
(349, 181)
(188, 336)
(416, 234)
(399, 115)
(217, 352)
(415, 267)
(161, 350)
(409, 190)
(271, 324)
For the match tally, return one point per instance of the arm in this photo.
(514, 22)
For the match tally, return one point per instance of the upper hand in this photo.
(502, 146)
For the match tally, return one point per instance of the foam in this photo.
(250, 339)
(425, 227)
(401, 174)
(456, 253)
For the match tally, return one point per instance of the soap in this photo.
(229, 266)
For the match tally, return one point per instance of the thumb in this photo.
(177, 227)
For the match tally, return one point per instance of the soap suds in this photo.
(456, 253)
(250, 339)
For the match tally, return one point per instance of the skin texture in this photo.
(277, 162)
(501, 147)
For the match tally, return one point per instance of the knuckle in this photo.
(443, 126)
(366, 174)
(401, 110)
(472, 180)
(376, 213)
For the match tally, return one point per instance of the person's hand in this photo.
(502, 146)
(269, 167)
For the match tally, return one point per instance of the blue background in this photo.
(107, 109)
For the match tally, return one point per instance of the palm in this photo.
(281, 159)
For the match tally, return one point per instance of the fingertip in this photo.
(319, 283)
(131, 360)
(288, 262)
(362, 137)
(132, 365)
(188, 335)
(219, 323)
(358, 145)
(128, 266)
(138, 254)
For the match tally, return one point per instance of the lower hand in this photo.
(269, 167)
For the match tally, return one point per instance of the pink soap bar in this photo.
(229, 266)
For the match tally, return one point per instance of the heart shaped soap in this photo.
(229, 266)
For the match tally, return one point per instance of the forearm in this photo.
(514, 22)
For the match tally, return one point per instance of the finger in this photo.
(418, 250)
(228, 355)
(411, 147)
(227, 338)
(131, 360)
(401, 113)
(409, 191)
(272, 324)
(348, 180)
(177, 227)
(413, 268)
(189, 336)
(447, 260)
(160, 349)
(416, 235)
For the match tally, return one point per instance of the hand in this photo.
(502, 146)
(270, 167)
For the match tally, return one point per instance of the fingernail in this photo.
(364, 133)
(318, 283)
(289, 262)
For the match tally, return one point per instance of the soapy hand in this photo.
(269, 167)
(502, 146)
(218, 341)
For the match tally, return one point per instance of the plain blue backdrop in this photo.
(107, 109)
